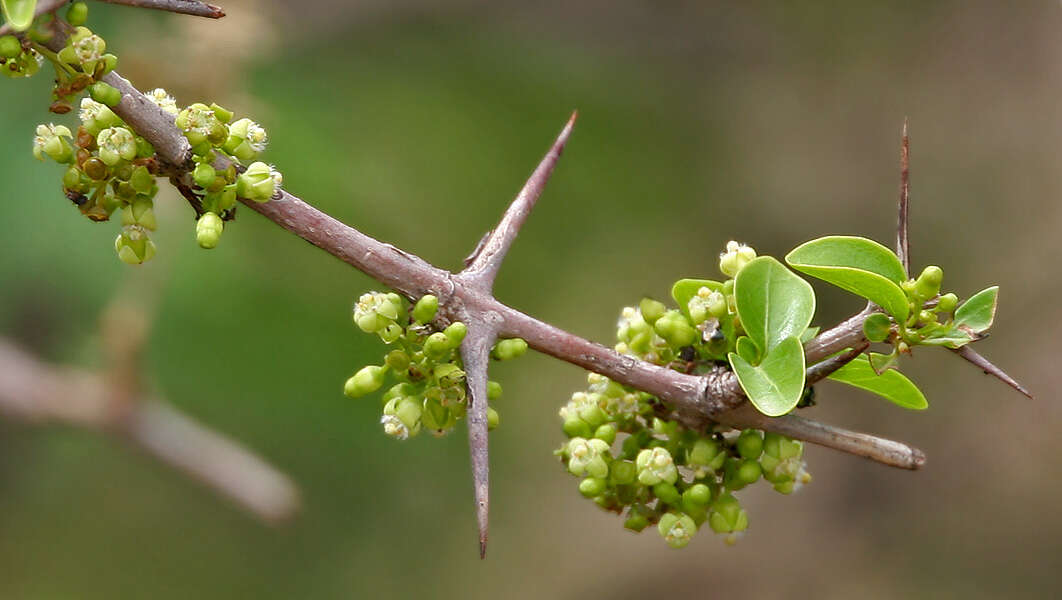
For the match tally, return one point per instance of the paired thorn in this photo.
(485, 261)
(482, 267)
(902, 249)
(971, 355)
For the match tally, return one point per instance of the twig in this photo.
(824, 369)
(33, 391)
(887, 452)
(184, 7)
(491, 252)
(971, 355)
(902, 249)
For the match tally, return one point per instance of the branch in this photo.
(184, 7)
(35, 392)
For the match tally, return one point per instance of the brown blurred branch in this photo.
(39, 393)
(184, 7)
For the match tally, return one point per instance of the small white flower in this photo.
(394, 427)
(163, 100)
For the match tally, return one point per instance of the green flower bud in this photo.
(408, 410)
(259, 182)
(401, 417)
(698, 495)
(750, 444)
(456, 332)
(437, 345)
(208, 230)
(927, 317)
(224, 115)
(133, 246)
(735, 258)
(493, 419)
(115, 145)
(425, 308)
(509, 349)
(655, 465)
(636, 521)
(947, 303)
(727, 517)
(592, 486)
(706, 304)
(204, 175)
(781, 460)
(928, 283)
(877, 327)
(397, 360)
(623, 472)
(77, 14)
(139, 212)
(781, 447)
(675, 329)
(574, 427)
(494, 391)
(667, 493)
(651, 310)
(10, 47)
(705, 456)
(74, 180)
(748, 472)
(588, 457)
(104, 93)
(53, 140)
(374, 311)
(246, 140)
(676, 529)
(606, 433)
(366, 381)
(142, 180)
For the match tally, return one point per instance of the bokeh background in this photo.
(416, 121)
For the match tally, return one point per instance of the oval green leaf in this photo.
(685, 289)
(776, 385)
(19, 13)
(858, 265)
(891, 385)
(773, 303)
(977, 313)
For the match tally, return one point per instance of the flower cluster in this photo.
(635, 459)
(110, 168)
(429, 390)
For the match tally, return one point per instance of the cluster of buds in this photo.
(635, 460)
(212, 134)
(429, 378)
(109, 169)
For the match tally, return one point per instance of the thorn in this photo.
(902, 249)
(985, 365)
(475, 351)
(486, 260)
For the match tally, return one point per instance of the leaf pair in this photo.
(775, 308)
(858, 265)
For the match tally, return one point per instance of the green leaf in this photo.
(772, 302)
(882, 362)
(891, 385)
(19, 13)
(951, 337)
(747, 350)
(809, 334)
(685, 289)
(776, 385)
(858, 265)
(979, 311)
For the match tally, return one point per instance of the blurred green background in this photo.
(417, 121)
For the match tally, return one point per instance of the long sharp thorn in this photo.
(985, 365)
(902, 249)
(474, 351)
(487, 259)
